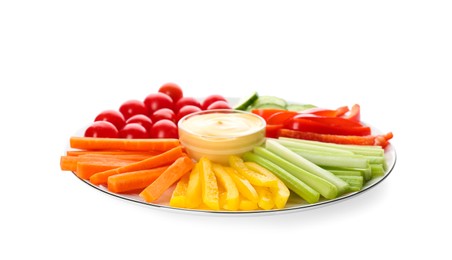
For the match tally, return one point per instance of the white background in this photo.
(62, 62)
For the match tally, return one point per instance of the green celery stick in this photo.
(325, 188)
(301, 162)
(365, 172)
(353, 181)
(300, 188)
(357, 149)
(377, 170)
(334, 160)
(291, 144)
(346, 173)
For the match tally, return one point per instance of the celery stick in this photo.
(353, 181)
(324, 187)
(365, 172)
(300, 188)
(377, 170)
(357, 149)
(301, 162)
(291, 144)
(338, 160)
(346, 173)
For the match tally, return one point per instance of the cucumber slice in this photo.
(267, 100)
(247, 102)
(269, 106)
(299, 107)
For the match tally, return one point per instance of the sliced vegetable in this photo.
(318, 183)
(179, 195)
(194, 189)
(253, 177)
(246, 102)
(133, 181)
(380, 140)
(231, 194)
(300, 188)
(210, 194)
(243, 185)
(280, 193)
(172, 174)
(90, 143)
(162, 159)
(306, 165)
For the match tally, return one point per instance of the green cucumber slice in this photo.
(247, 102)
(299, 107)
(270, 100)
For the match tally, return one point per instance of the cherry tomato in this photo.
(185, 101)
(133, 131)
(131, 108)
(142, 120)
(187, 110)
(113, 116)
(164, 129)
(220, 104)
(155, 101)
(102, 129)
(211, 99)
(163, 113)
(173, 90)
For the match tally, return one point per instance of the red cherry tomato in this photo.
(187, 110)
(113, 116)
(185, 101)
(102, 129)
(163, 113)
(220, 104)
(142, 120)
(133, 131)
(164, 129)
(131, 108)
(173, 90)
(211, 99)
(155, 101)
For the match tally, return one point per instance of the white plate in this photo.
(294, 203)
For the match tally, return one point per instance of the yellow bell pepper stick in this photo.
(231, 192)
(252, 176)
(280, 193)
(194, 198)
(179, 196)
(246, 204)
(243, 185)
(265, 198)
(210, 194)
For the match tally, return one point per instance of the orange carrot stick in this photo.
(133, 181)
(94, 143)
(86, 169)
(107, 152)
(162, 159)
(69, 163)
(174, 172)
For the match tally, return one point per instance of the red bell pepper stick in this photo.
(329, 120)
(355, 113)
(281, 117)
(326, 112)
(266, 113)
(306, 125)
(338, 139)
(272, 131)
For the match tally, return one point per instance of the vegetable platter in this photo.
(245, 155)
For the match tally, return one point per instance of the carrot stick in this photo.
(162, 159)
(86, 169)
(174, 172)
(132, 181)
(69, 163)
(94, 143)
(107, 152)
(134, 157)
